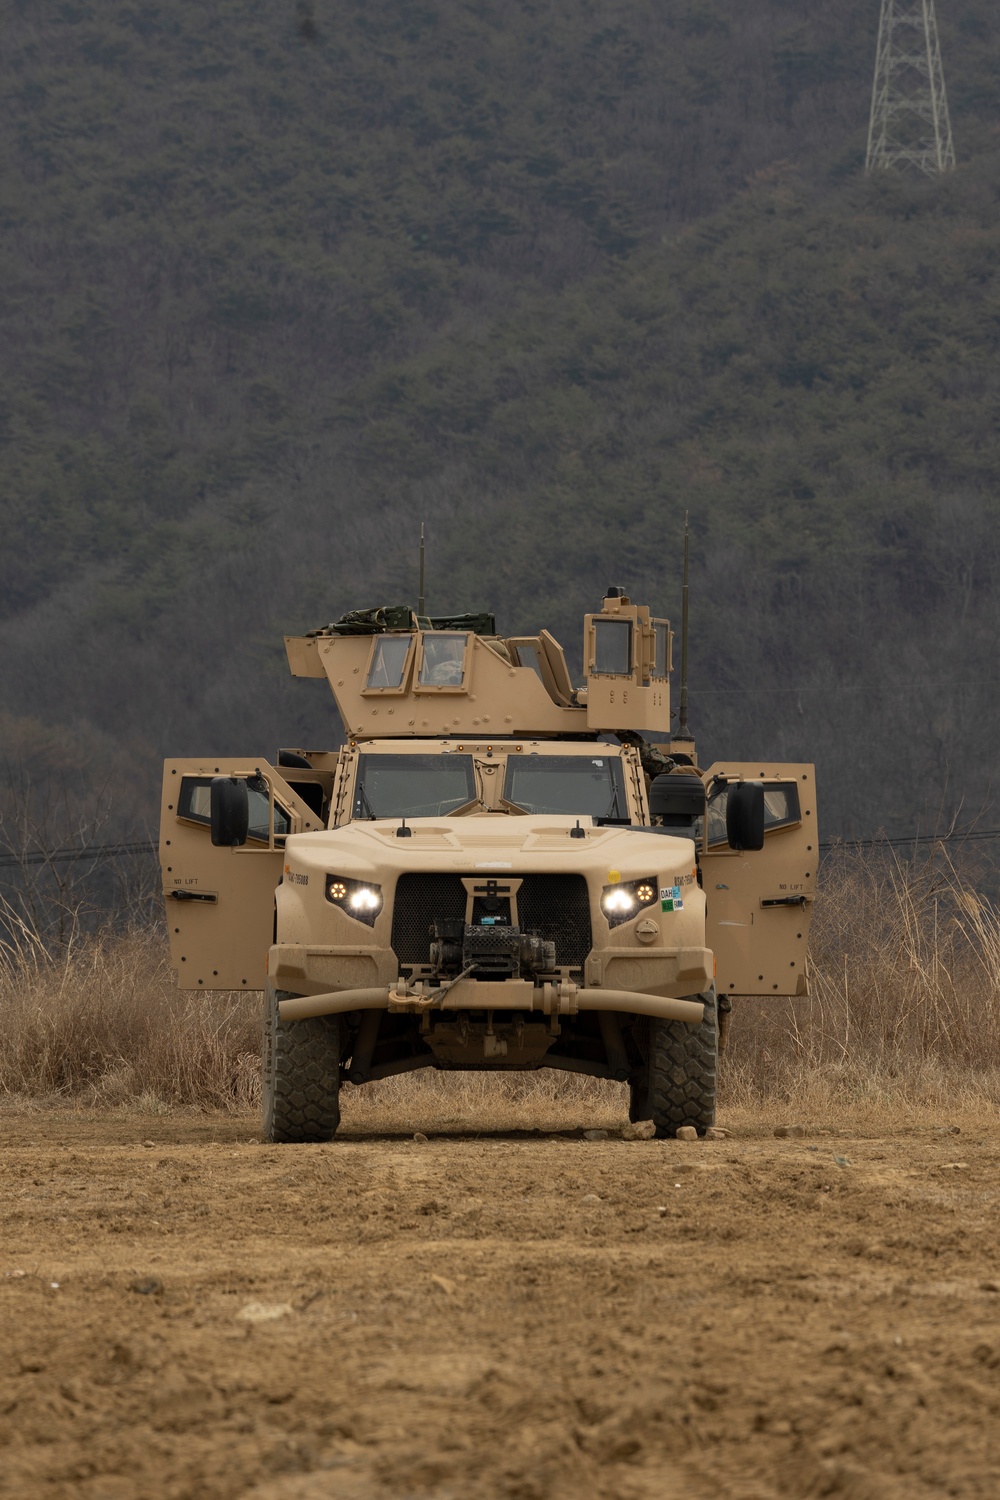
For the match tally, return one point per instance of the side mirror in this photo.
(745, 816)
(230, 811)
(676, 800)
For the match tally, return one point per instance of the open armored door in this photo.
(220, 902)
(759, 901)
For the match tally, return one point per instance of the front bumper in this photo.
(302, 969)
(313, 969)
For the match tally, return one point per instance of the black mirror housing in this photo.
(745, 816)
(230, 811)
(677, 800)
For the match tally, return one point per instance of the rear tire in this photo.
(301, 1075)
(676, 1085)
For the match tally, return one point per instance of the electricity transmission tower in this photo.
(909, 122)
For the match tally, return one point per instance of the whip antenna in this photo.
(683, 732)
(421, 602)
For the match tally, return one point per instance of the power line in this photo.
(845, 687)
(59, 856)
(975, 836)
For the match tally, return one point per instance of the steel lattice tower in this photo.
(909, 122)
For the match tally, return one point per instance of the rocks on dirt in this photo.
(591, 1198)
(264, 1312)
(446, 1285)
(789, 1132)
(686, 1133)
(716, 1133)
(595, 1135)
(146, 1286)
(638, 1130)
(420, 1138)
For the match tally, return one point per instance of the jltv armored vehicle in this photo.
(498, 870)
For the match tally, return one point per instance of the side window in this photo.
(781, 808)
(442, 662)
(661, 654)
(781, 804)
(195, 804)
(387, 669)
(527, 656)
(613, 648)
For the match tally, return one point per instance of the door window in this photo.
(781, 808)
(195, 804)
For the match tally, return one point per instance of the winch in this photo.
(491, 950)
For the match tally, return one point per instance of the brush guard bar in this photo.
(550, 998)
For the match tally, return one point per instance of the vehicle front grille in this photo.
(555, 907)
(421, 900)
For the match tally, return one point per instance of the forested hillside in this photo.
(279, 281)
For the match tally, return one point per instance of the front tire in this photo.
(301, 1075)
(677, 1081)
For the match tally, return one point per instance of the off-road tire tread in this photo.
(301, 1075)
(679, 1085)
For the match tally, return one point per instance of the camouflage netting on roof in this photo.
(402, 617)
(371, 621)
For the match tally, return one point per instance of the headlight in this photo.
(358, 898)
(621, 902)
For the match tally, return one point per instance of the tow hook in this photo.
(418, 999)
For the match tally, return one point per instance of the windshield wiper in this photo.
(363, 803)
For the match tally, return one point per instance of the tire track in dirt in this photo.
(518, 1315)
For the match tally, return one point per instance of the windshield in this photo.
(576, 784)
(412, 786)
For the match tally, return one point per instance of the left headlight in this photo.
(358, 898)
(621, 902)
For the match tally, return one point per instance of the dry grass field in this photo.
(904, 1010)
(501, 1307)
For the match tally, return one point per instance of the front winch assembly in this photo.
(489, 950)
(492, 952)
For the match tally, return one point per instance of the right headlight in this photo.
(625, 900)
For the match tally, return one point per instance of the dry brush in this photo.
(904, 1011)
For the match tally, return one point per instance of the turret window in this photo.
(388, 663)
(661, 658)
(442, 662)
(613, 648)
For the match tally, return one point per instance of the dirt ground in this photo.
(185, 1312)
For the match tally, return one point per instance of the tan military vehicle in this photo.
(498, 870)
